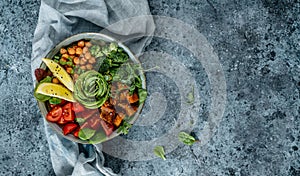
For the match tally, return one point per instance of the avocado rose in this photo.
(91, 89)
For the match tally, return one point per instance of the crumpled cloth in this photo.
(125, 20)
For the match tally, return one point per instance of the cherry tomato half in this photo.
(67, 112)
(61, 121)
(55, 114)
(76, 132)
(69, 128)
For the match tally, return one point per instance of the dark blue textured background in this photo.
(258, 46)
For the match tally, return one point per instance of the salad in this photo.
(91, 89)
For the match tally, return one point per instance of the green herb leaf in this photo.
(79, 120)
(54, 100)
(159, 151)
(190, 96)
(86, 133)
(186, 138)
(142, 95)
(124, 128)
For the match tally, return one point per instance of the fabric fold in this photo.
(127, 21)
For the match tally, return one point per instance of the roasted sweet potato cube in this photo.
(107, 114)
(118, 119)
(132, 98)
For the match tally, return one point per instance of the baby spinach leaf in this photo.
(41, 97)
(186, 138)
(97, 138)
(54, 100)
(159, 151)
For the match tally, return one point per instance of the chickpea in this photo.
(82, 67)
(72, 57)
(65, 56)
(76, 60)
(63, 59)
(69, 70)
(92, 60)
(55, 81)
(75, 76)
(89, 66)
(88, 55)
(80, 43)
(88, 44)
(83, 61)
(63, 51)
(85, 50)
(71, 51)
(78, 51)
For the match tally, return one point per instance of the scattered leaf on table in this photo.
(186, 138)
(190, 96)
(159, 151)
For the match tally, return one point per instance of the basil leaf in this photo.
(97, 138)
(159, 151)
(186, 138)
(86, 133)
(54, 100)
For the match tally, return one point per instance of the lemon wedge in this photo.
(55, 90)
(60, 73)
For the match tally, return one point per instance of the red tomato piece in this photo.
(69, 128)
(77, 107)
(67, 112)
(108, 129)
(61, 121)
(76, 132)
(54, 114)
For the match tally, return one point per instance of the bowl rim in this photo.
(89, 36)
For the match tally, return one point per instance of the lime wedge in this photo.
(55, 90)
(60, 73)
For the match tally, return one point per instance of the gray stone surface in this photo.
(258, 46)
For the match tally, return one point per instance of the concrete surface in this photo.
(258, 46)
